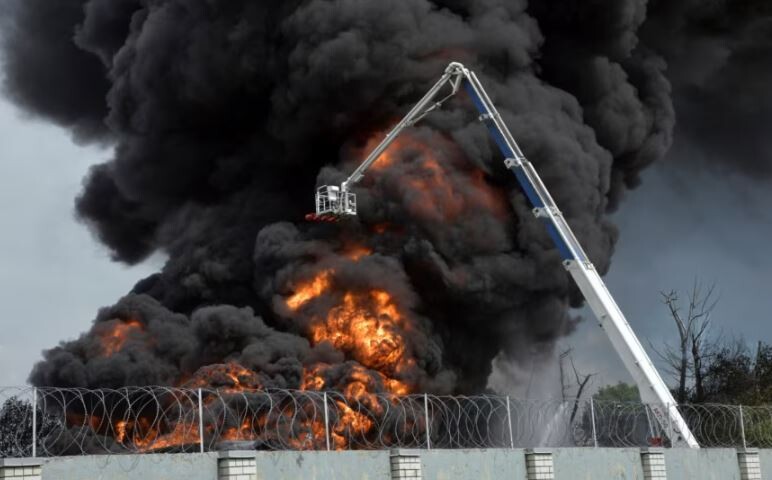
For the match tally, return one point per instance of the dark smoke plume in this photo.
(719, 54)
(225, 115)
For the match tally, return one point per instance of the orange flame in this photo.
(310, 290)
(113, 340)
(366, 326)
(243, 432)
(432, 189)
(313, 378)
(357, 252)
(227, 377)
(145, 436)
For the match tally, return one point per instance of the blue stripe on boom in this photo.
(522, 178)
(495, 133)
(530, 192)
(562, 246)
(527, 187)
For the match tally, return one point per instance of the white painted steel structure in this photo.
(337, 201)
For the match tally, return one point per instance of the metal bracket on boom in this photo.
(545, 212)
(333, 202)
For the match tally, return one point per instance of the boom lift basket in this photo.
(330, 200)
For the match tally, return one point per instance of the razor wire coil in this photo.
(73, 421)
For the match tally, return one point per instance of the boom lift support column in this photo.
(335, 202)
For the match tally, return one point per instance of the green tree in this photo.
(16, 428)
(736, 376)
(620, 393)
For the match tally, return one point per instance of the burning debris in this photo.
(223, 116)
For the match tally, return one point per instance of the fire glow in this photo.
(433, 190)
(113, 339)
(365, 325)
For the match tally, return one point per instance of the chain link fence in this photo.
(57, 422)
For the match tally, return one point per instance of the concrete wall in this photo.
(473, 464)
(568, 464)
(323, 465)
(703, 464)
(766, 464)
(605, 463)
(131, 467)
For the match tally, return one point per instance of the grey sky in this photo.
(680, 224)
(53, 275)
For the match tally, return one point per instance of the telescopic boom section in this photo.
(333, 202)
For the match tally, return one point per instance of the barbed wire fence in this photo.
(58, 421)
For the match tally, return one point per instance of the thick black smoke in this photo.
(719, 55)
(225, 115)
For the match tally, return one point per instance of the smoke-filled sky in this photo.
(203, 163)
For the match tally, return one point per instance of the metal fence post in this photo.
(34, 422)
(509, 422)
(426, 421)
(326, 423)
(648, 421)
(592, 417)
(742, 427)
(201, 421)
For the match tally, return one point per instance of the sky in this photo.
(683, 223)
(686, 223)
(45, 253)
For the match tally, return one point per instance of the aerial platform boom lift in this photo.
(333, 202)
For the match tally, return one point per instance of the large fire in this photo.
(364, 325)
(367, 324)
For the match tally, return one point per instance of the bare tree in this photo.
(686, 359)
(582, 381)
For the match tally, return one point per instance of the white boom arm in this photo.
(333, 201)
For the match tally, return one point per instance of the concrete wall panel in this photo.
(703, 464)
(597, 463)
(765, 455)
(359, 465)
(493, 464)
(132, 467)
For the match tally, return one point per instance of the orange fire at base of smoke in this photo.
(146, 437)
(313, 377)
(226, 377)
(182, 434)
(245, 431)
(365, 325)
(304, 419)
